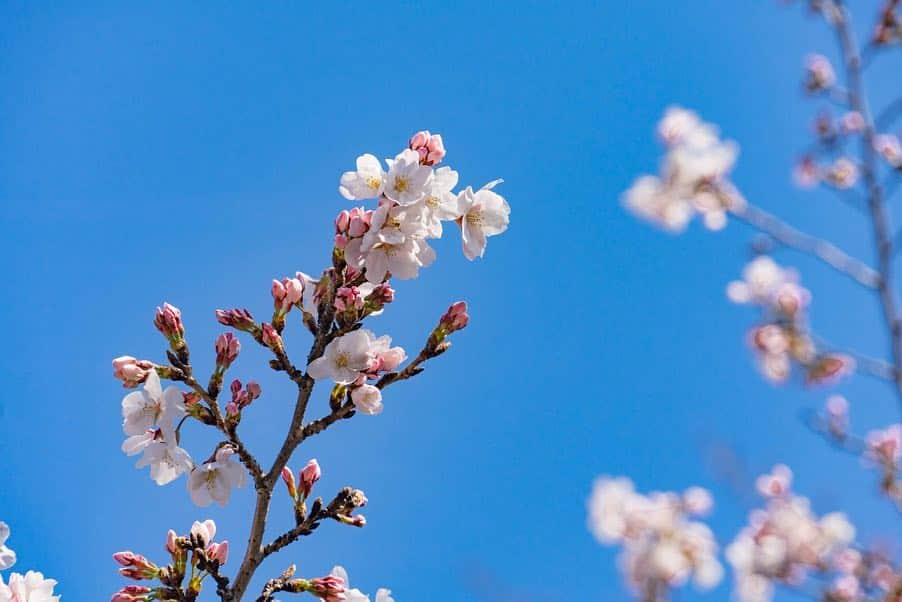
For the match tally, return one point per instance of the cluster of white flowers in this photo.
(783, 338)
(149, 417)
(784, 541)
(30, 587)
(693, 177)
(661, 545)
(414, 200)
(355, 595)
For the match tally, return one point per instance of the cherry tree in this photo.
(786, 543)
(373, 248)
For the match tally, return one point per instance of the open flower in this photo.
(30, 587)
(355, 595)
(152, 406)
(345, 358)
(440, 203)
(214, 481)
(166, 459)
(365, 183)
(407, 180)
(482, 213)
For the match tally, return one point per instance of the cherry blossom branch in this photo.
(879, 216)
(878, 368)
(818, 248)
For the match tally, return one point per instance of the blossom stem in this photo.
(879, 217)
(816, 247)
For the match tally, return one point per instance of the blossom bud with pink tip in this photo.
(329, 588)
(133, 593)
(341, 241)
(309, 475)
(168, 321)
(253, 390)
(342, 221)
(227, 348)
(239, 319)
(382, 294)
(288, 477)
(272, 339)
(429, 147)
(132, 372)
(392, 358)
(172, 542)
(456, 318)
(777, 483)
(202, 533)
(294, 290)
(359, 222)
(136, 566)
(885, 446)
(348, 298)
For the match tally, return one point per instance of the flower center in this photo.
(432, 202)
(474, 218)
(342, 360)
(401, 184)
(374, 182)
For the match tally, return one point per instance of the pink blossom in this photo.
(429, 147)
(219, 552)
(309, 475)
(288, 477)
(775, 484)
(885, 446)
(227, 348)
(271, 338)
(168, 321)
(330, 588)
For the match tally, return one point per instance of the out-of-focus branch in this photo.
(818, 248)
(879, 215)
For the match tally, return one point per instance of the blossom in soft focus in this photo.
(30, 587)
(785, 541)
(7, 556)
(660, 544)
(693, 177)
(482, 214)
(152, 406)
(888, 146)
(213, 481)
(885, 446)
(819, 73)
(842, 173)
(761, 279)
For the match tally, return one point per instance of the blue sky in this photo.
(192, 153)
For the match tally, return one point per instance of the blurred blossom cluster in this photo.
(785, 540)
(661, 545)
(692, 179)
(782, 338)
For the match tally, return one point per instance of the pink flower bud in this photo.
(429, 146)
(235, 388)
(132, 593)
(341, 241)
(130, 371)
(219, 552)
(288, 477)
(886, 446)
(342, 222)
(348, 297)
(889, 148)
(806, 173)
(851, 122)
(253, 389)
(240, 319)
(278, 294)
(171, 545)
(359, 224)
(775, 484)
(392, 358)
(382, 294)
(329, 588)
(456, 317)
(168, 321)
(294, 290)
(309, 475)
(227, 348)
(232, 408)
(135, 566)
(271, 338)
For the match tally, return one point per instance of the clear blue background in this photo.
(192, 153)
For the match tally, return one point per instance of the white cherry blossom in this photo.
(167, 460)
(151, 406)
(214, 481)
(482, 213)
(354, 594)
(407, 181)
(440, 203)
(7, 556)
(365, 183)
(345, 358)
(30, 587)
